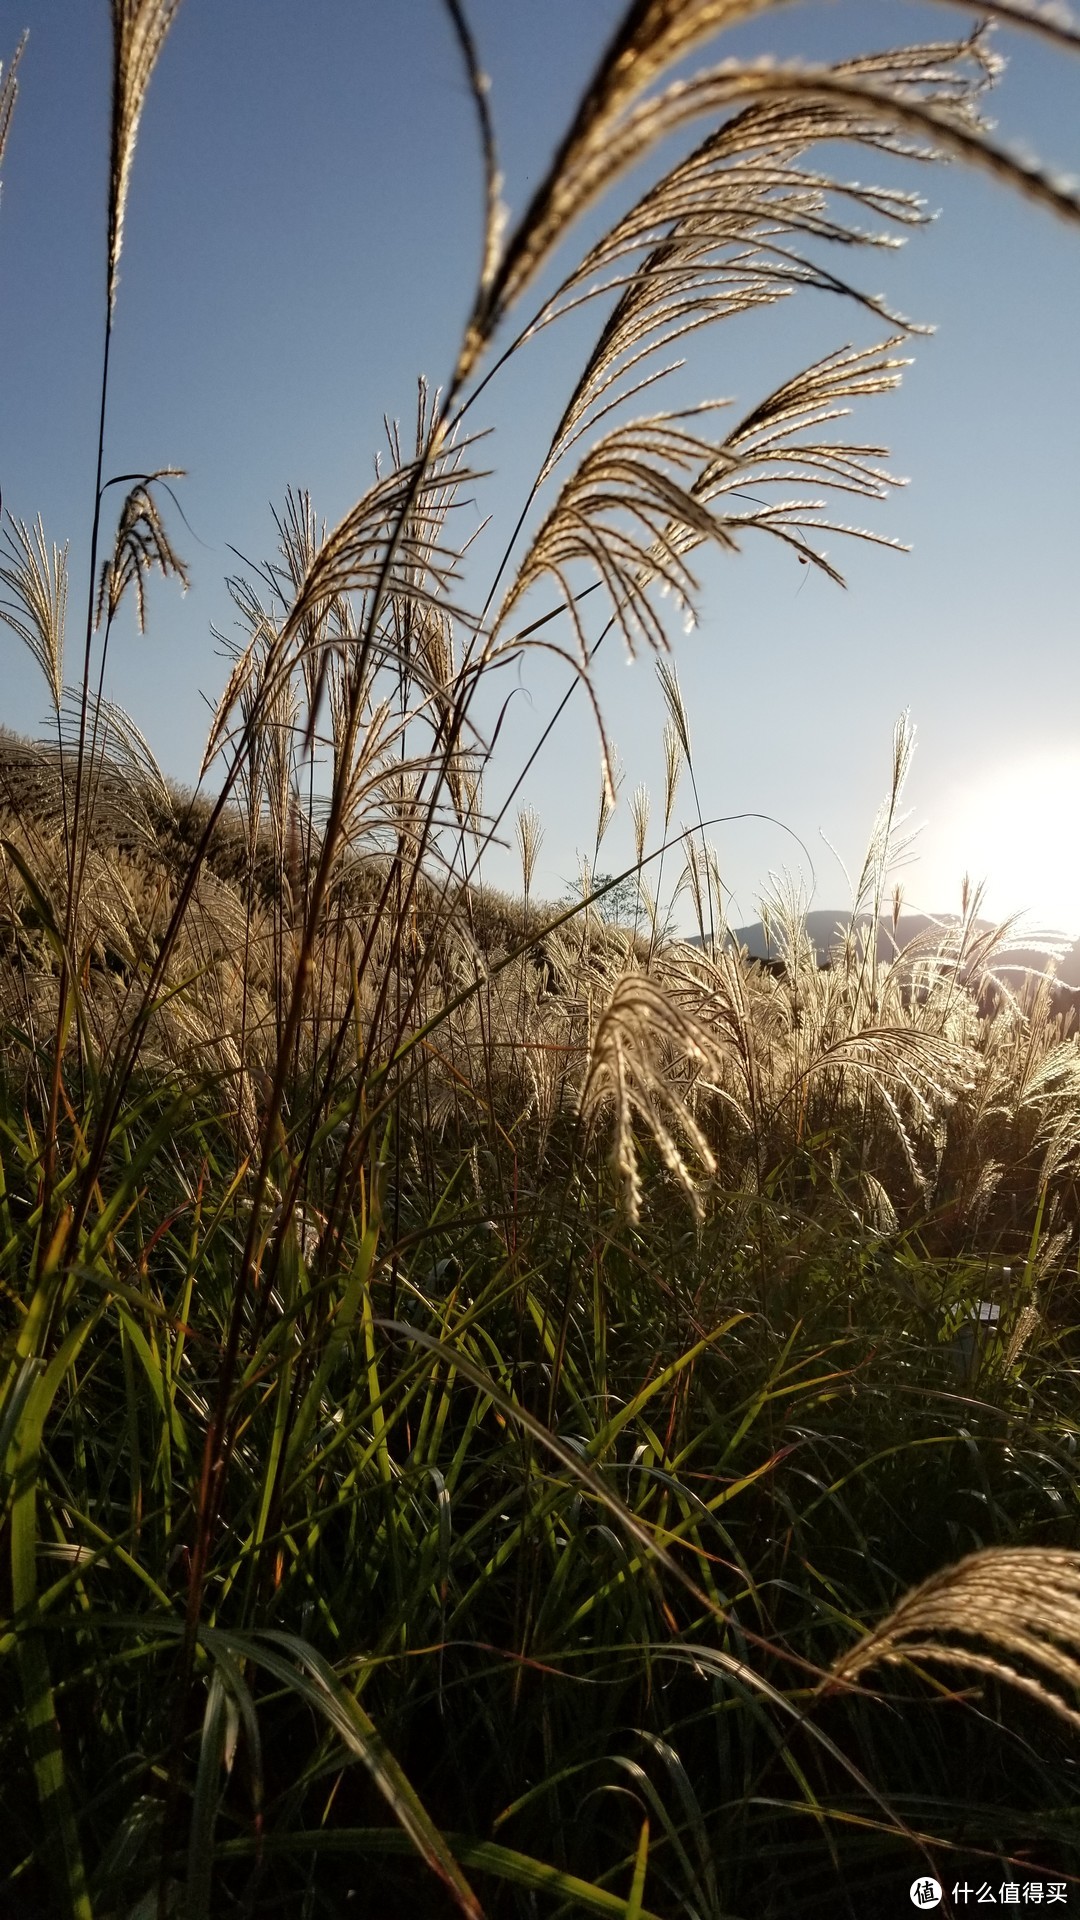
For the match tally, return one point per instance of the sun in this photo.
(1016, 828)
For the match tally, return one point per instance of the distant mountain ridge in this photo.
(824, 923)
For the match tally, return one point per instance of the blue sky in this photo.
(301, 242)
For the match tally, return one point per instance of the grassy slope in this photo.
(774, 1393)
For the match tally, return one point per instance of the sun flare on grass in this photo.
(1016, 829)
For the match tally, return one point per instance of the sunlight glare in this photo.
(1016, 829)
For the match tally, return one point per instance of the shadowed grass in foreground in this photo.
(502, 1411)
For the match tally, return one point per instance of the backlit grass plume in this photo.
(1022, 1603)
(141, 546)
(618, 121)
(642, 1037)
(9, 93)
(139, 28)
(36, 579)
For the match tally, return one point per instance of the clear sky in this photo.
(301, 242)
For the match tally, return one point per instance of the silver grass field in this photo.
(505, 1411)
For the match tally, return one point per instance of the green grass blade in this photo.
(65, 1858)
(205, 1801)
(635, 1904)
(312, 1679)
(480, 1856)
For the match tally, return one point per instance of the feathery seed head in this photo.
(627, 1066)
(38, 582)
(610, 782)
(673, 765)
(1024, 1602)
(530, 836)
(139, 28)
(9, 93)
(639, 814)
(141, 545)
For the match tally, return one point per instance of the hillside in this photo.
(824, 924)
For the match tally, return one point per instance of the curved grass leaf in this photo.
(64, 1858)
